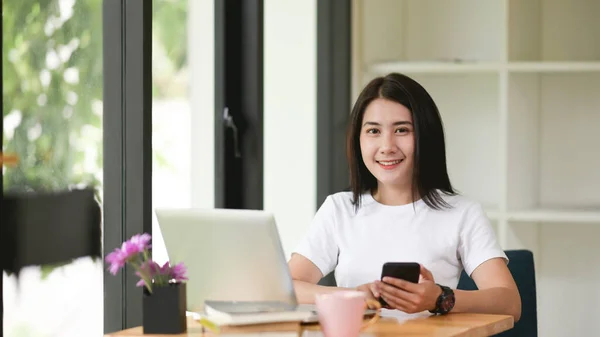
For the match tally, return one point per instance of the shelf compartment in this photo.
(429, 30)
(554, 160)
(384, 68)
(567, 269)
(555, 215)
(553, 67)
(553, 30)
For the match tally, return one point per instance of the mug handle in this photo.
(373, 319)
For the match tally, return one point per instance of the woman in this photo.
(403, 208)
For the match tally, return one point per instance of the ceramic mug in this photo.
(341, 313)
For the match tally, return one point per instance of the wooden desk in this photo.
(453, 325)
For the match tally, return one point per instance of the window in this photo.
(52, 117)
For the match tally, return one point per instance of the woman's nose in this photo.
(388, 144)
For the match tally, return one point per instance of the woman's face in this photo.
(387, 142)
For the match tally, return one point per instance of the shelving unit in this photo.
(518, 86)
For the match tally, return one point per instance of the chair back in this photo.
(522, 268)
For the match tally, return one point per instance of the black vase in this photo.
(164, 309)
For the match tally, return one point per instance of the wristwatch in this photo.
(445, 301)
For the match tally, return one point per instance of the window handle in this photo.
(229, 123)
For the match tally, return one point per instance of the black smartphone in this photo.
(408, 271)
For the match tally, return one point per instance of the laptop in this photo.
(235, 260)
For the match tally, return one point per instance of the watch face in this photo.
(447, 304)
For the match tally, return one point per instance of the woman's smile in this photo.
(389, 164)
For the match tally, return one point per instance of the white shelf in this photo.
(434, 67)
(553, 67)
(517, 83)
(555, 216)
(440, 67)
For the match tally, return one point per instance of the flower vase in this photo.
(164, 309)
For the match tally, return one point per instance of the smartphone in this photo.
(409, 271)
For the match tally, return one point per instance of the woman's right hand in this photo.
(370, 290)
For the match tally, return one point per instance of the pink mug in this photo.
(341, 313)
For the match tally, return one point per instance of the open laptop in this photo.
(235, 260)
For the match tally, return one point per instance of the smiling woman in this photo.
(395, 118)
(402, 208)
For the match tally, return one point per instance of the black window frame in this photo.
(239, 91)
(127, 127)
(334, 90)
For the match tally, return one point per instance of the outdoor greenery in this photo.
(53, 84)
(52, 63)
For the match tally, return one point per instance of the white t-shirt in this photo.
(356, 244)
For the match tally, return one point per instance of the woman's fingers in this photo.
(374, 290)
(401, 284)
(426, 275)
(403, 299)
(393, 291)
(399, 303)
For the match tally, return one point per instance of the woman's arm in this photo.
(306, 275)
(497, 294)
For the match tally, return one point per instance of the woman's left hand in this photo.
(410, 297)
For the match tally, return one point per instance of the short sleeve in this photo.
(478, 242)
(319, 245)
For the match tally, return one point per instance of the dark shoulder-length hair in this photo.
(429, 172)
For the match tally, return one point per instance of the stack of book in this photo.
(231, 317)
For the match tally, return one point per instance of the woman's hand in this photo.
(370, 291)
(407, 296)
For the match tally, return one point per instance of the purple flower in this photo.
(178, 272)
(117, 260)
(135, 252)
(147, 271)
(165, 270)
(149, 268)
(137, 244)
(129, 249)
(142, 241)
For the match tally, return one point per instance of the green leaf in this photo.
(46, 270)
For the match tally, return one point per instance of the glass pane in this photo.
(52, 80)
(170, 112)
(182, 108)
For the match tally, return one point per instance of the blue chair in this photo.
(328, 280)
(522, 268)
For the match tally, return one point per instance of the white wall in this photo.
(201, 60)
(290, 44)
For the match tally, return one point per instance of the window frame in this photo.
(127, 128)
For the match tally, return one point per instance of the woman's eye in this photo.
(372, 131)
(402, 130)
